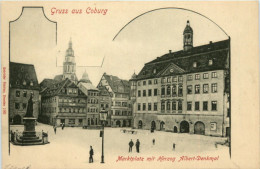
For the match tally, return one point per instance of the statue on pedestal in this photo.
(29, 111)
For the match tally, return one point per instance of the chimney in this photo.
(170, 51)
(210, 42)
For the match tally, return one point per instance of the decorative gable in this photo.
(171, 69)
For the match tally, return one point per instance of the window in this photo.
(144, 106)
(24, 93)
(179, 105)
(174, 90)
(154, 71)
(205, 75)
(139, 83)
(163, 91)
(149, 106)
(149, 82)
(205, 106)
(144, 93)
(168, 80)
(168, 105)
(194, 64)
(214, 88)
(197, 89)
(210, 62)
(174, 105)
(17, 106)
(155, 81)
(144, 83)
(205, 88)
(17, 93)
(174, 78)
(189, 89)
(214, 74)
(197, 105)
(180, 79)
(24, 82)
(163, 80)
(31, 83)
(213, 126)
(180, 90)
(168, 90)
(155, 92)
(197, 76)
(150, 92)
(163, 105)
(213, 105)
(189, 77)
(155, 106)
(24, 105)
(189, 106)
(139, 93)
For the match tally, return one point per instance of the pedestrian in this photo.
(131, 144)
(153, 141)
(91, 153)
(137, 144)
(173, 146)
(62, 126)
(55, 129)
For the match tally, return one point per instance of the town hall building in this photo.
(186, 91)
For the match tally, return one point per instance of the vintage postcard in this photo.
(129, 85)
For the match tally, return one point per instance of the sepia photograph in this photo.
(128, 84)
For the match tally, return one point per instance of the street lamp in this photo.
(103, 118)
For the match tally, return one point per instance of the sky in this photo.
(33, 40)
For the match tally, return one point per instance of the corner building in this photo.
(186, 91)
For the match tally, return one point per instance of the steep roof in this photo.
(23, 76)
(117, 85)
(88, 86)
(218, 52)
(55, 89)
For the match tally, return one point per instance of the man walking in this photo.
(91, 153)
(131, 144)
(153, 141)
(137, 144)
(55, 129)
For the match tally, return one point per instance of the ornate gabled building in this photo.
(23, 84)
(63, 102)
(186, 91)
(121, 108)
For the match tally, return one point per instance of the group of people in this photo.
(137, 145)
(55, 127)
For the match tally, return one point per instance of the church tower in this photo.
(187, 37)
(69, 65)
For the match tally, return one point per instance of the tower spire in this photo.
(187, 37)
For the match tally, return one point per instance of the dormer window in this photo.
(154, 71)
(194, 64)
(210, 62)
(24, 82)
(31, 83)
(17, 82)
(143, 72)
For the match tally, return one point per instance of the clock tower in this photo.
(187, 37)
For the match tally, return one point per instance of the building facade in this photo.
(185, 91)
(65, 103)
(121, 108)
(23, 84)
(93, 103)
(106, 102)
